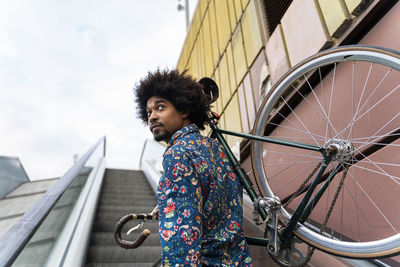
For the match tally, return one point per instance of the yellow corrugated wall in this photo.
(227, 41)
(224, 38)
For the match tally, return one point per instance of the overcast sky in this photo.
(67, 69)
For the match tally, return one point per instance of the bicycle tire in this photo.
(362, 109)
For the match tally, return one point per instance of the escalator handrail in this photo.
(15, 239)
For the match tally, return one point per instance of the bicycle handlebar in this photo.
(142, 237)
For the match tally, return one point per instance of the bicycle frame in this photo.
(305, 207)
(352, 140)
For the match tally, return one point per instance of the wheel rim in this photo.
(369, 98)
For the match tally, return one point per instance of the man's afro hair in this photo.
(179, 88)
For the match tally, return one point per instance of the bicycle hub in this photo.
(341, 150)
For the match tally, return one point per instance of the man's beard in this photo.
(162, 136)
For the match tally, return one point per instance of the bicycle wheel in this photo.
(347, 95)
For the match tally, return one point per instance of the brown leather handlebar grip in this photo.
(142, 237)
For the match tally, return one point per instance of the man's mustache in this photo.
(156, 124)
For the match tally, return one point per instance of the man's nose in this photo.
(152, 116)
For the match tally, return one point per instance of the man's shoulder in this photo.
(196, 140)
(191, 142)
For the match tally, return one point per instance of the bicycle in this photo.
(323, 154)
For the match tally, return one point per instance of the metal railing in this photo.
(15, 239)
(151, 162)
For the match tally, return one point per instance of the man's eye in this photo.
(161, 107)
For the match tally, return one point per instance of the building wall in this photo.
(229, 42)
(223, 42)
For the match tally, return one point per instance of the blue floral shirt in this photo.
(199, 200)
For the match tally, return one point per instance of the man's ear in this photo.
(185, 115)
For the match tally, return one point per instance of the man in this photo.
(199, 196)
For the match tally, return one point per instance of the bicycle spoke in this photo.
(294, 177)
(363, 90)
(380, 185)
(319, 103)
(305, 128)
(357, 215)
(349, 136)
(387, 135)
(359, 139)
(394, 178)
(288, 163)
(378, 136)
(372, 107)
(330, 102)
(366, 101)
(374, 136)
(375, 205)
(294, 138)
(373, 143)
(359, 211)
(324, 97)
(296, 130)
(272, 176)
(381, 163)
(373, 92)
(295, 127)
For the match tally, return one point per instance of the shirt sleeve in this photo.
(180, 211)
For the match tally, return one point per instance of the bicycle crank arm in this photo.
(273, 247)
(272, 206)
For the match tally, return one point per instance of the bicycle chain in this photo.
(303, 185)
(311, 251)
(294, 195)
(329, 212)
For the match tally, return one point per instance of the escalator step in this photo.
(123, 192)
(137, 189)
(142, 264)
(115, 215)
(127, 209)
(108, 226)
(107, 239)
(128, 201)
(112, 254)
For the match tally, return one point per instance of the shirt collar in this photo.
(191, 128)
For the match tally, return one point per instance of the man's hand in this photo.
(155, 213)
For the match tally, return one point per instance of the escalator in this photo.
(72, 224)
(122, 192)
